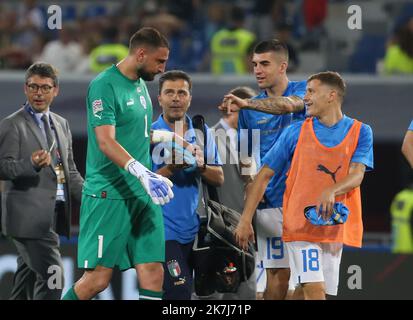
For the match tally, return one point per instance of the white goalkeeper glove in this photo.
(157, 186)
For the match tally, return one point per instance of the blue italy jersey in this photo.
(280, 156)
(180, 217)
(411, 126)
(271, 127)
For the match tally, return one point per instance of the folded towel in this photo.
(339, 216)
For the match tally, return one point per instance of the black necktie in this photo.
(49, 137)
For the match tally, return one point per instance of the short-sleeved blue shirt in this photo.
(280, 156)
(180, 217)
(271, 127)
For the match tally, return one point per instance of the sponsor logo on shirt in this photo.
(327, 171)
(97, 107)
(268, 132)
(263, 120)
(180, 282)
(130, 102)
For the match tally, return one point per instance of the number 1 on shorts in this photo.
(100, 246)
(146, 125)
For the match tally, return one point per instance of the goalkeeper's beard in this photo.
(145, 75)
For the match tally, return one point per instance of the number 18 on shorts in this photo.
(315, 262)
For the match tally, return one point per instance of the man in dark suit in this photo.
(36, 162)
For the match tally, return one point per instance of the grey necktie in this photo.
(49, 137)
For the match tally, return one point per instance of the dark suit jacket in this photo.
(29, 196)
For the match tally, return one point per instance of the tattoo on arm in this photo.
(276, 105)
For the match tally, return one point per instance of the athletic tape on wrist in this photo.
(161, 135)
(126, 167)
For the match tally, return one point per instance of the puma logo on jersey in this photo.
(263, 121)
(325, 170)
(130, 102)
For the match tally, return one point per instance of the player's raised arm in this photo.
(276, 105)
(271, 105)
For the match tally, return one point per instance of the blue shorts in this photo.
(178, 268)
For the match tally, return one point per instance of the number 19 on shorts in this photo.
(275, 248)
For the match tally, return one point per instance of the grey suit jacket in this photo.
(29, 196)
(231, 193)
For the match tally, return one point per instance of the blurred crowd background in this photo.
(214, 36)
(213, 41)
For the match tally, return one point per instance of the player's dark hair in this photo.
(148, 37)
(332, 79)
(174, 75)
(44, 70)
(243, 92)
(273, 45)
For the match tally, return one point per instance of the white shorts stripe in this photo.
(100, 246)
(149, 298)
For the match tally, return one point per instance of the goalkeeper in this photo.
(121, 221)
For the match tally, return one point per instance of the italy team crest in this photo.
(174, 268)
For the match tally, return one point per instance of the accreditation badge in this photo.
(61, 180)
(60, 173)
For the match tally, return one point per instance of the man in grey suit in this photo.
(231, 193)
(36, 162)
